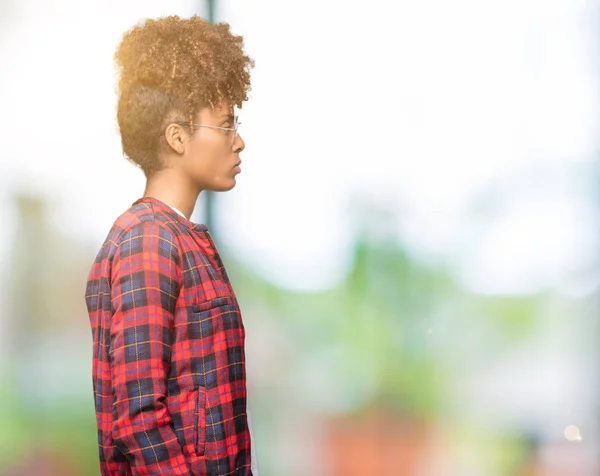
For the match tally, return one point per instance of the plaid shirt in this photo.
(168, 360)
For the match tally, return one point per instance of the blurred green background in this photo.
(417, 268)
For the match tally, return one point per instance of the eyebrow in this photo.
(231, 117)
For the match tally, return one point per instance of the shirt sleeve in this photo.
(144, 292)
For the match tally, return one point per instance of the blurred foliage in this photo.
(378, 340)
(515, 316)
(388, 320)
(60, 438)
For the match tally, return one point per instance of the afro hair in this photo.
(169, 69)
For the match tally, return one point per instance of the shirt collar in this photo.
(176, 210)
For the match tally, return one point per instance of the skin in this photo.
(197, 159)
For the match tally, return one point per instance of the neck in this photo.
(171, 188)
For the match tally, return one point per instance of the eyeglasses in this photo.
(233, 129)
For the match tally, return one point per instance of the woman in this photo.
(169, 365)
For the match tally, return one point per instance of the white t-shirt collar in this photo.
(176, 210)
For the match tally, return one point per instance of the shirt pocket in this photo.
(210, 304)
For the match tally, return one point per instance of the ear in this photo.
(176, 137)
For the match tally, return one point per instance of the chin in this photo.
(224, 187)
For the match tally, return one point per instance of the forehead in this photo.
(222, 110)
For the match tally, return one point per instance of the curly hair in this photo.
(170, 67)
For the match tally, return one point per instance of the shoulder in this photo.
(142, 228)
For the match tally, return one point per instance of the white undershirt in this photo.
(254, 464)
(178, 211)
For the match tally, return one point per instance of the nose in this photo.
(238, 144)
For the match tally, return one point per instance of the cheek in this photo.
(201, 154)
(215, 154)
(208, 159)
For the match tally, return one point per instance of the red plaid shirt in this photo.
(168, 360)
